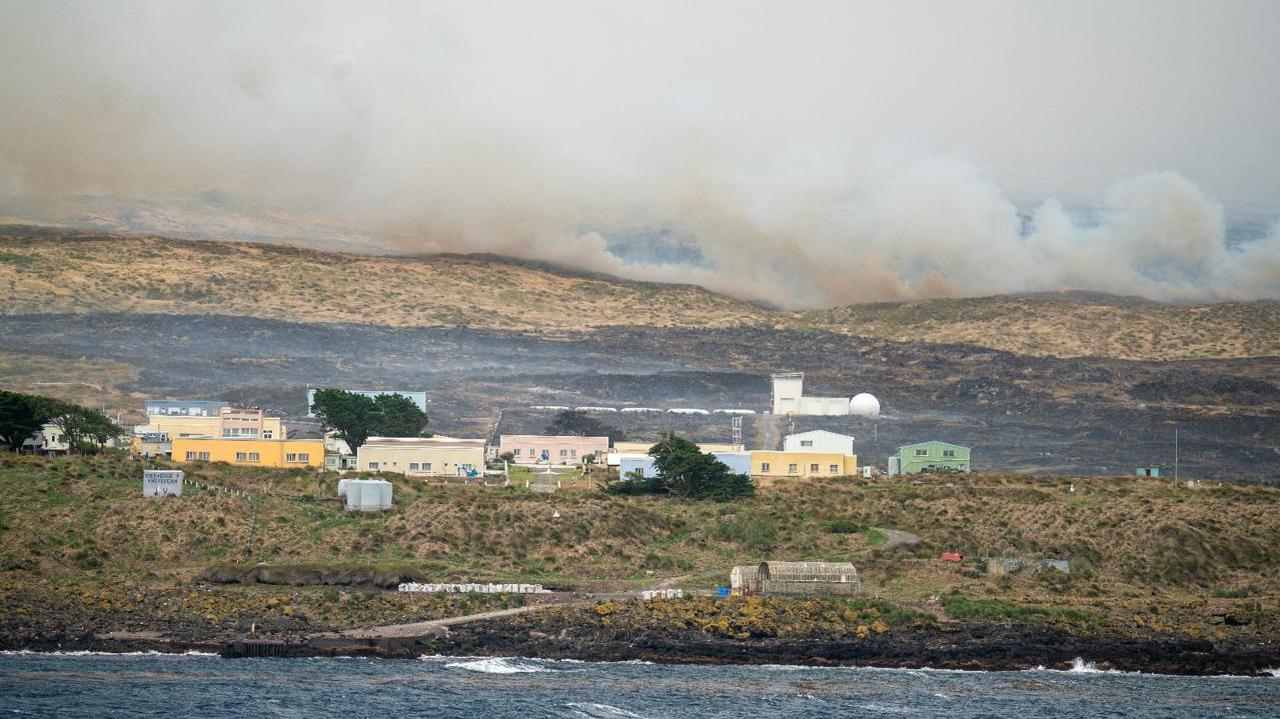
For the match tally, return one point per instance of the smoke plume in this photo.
(803, 159)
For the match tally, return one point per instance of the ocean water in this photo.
(190, 686)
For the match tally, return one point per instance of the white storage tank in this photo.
(365, 495)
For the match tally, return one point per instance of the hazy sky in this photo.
(816, 152)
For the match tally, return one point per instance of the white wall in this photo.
(822, 441)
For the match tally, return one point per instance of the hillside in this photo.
(96, 273)
(1082, 326)
(49, 271)
(1144, 555)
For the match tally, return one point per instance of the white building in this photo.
(422, 456)
(788, 398)
(48, 441)
(819, 440)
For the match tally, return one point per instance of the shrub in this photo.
(839, 526)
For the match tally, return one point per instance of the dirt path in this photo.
(769, 431)
(437, 626)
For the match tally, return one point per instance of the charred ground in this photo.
(1020, 412)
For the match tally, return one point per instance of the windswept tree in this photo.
(683, 470)
(398, 416)
(87, 430)
(354, 417)
(22, 415)
(580, 424)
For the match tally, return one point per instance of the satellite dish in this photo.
(865, 405)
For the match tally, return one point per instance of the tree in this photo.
(398, 416)
(347, 414)
(355, 417)
(580, 424)
(689, 472)
(87, 430)
(685, 471)
(22, 415)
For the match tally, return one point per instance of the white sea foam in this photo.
(600, 711)
(1273, 672)
(1080, 666)
(500, 665)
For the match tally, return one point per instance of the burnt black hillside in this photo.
(1018, 412)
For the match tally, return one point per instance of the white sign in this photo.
(162, 483)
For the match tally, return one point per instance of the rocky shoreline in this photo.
(959, 646)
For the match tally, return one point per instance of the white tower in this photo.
(788, 388)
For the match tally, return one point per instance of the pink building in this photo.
(565, 449)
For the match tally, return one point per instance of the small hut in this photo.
(808, 578)
(745, 579)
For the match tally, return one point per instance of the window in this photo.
(948, 453)
(291, 457)
(515, 452)
(813, 468)
(191, 456)
(806, 443)
(791, 469)
(413, 466)
(242, 456)
(426, 466)
(304, 457)
(253, 457)
(764, 466)
(266, 433)
(564, 453)
(533, 453)
(835, 469)
(204, 456)
(573, 453)
(922, 453)
(373, 466)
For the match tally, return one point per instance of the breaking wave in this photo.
(500, 665)
(600, 711)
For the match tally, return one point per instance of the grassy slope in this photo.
(1146, 554)
(94, 273)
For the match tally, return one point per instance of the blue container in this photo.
(722, 591)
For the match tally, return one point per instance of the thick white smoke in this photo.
(551, 131)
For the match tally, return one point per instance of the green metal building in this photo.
(931, 456)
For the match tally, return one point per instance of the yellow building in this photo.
(229, 422)
(250, 451)
(782, 465)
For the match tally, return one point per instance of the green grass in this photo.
(960, 607)
(839, 526)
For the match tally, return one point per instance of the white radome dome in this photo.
(864, 405)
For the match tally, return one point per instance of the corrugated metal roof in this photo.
(808, 571)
